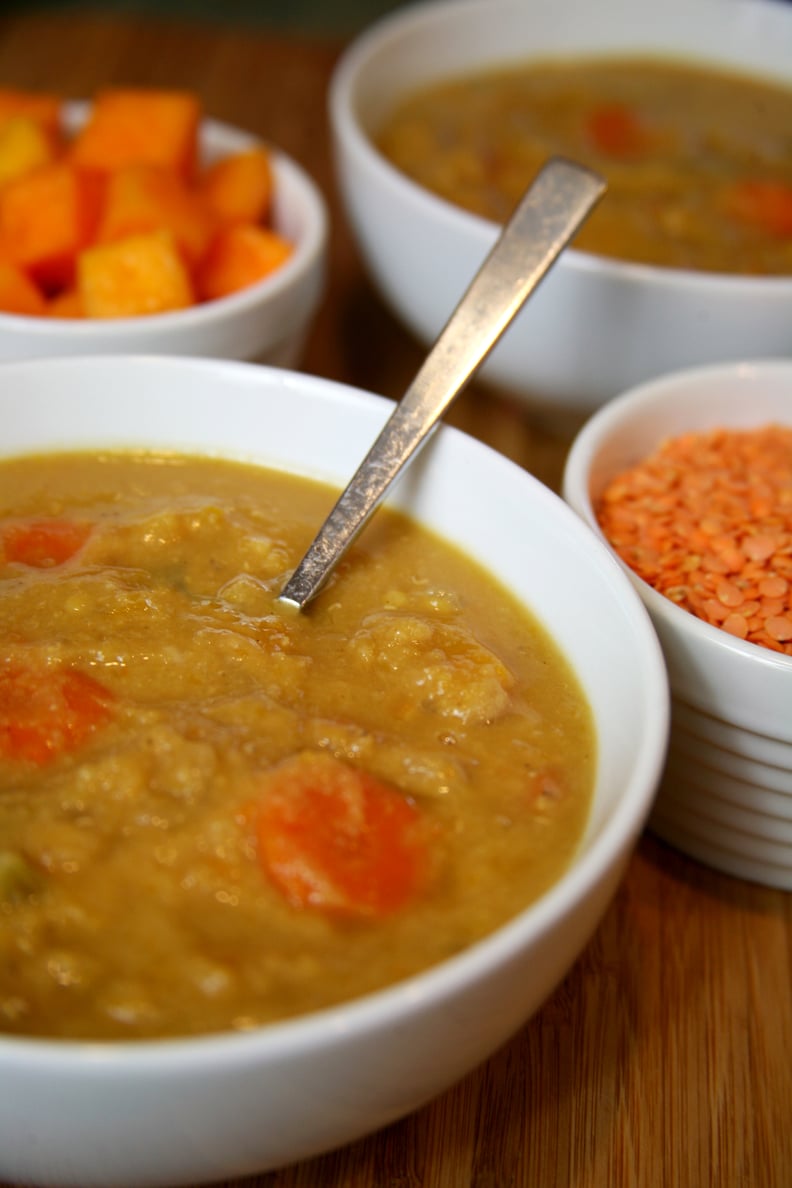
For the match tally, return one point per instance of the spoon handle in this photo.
(546, 218)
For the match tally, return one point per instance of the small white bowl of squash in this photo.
(195, 238)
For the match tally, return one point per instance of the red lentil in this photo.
(707, 521)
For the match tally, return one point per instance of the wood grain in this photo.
(665, 1058)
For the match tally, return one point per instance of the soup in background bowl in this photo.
(105, 1110)
(597, 325)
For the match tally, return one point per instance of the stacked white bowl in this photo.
(726, 794)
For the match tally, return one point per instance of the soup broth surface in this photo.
(698, 161)
(164, 721)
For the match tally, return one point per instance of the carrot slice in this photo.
(45, 713)
(764, 204)
(614, 129)
(43, 543)
(334, 838)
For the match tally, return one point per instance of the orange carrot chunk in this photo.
(333, 838)
(43, 544)
(615, 130)
(129, 126)
(46, 713)
(238, 188)
(766, 205)
(240, 256)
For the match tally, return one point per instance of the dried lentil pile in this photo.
(707, 521)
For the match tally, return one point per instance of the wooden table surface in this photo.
(665, 1058)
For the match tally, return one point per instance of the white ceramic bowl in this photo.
(189, 1111)
(595, 327)
(267, 322)
(726, 795)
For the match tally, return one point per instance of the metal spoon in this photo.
(561, 197)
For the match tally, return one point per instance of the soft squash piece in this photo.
(24, 145)
(47, 216)
(144, 198)
(238, 188)
(45, 108)
(66, 304)
(130, 126)
(18, 294)
(239, 256)
(144, 274)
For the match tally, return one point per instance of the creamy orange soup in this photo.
(215, 811)
(698, 162)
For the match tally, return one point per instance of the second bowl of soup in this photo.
(443, 114)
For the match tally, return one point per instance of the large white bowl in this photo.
(267, 322)
(726, 795)
(189, 1111)
(596, 326)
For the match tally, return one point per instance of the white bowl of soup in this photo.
(245, 916)
(443, 112)
(170, 251)
(688, 478)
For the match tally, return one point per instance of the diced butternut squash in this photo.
(66, 304)
(144, 198)
(239, 256)
(144, 274)
(40, 106)
(24, 145)
(18, 294)
(140, 127)
(46, 217)
(238, 188)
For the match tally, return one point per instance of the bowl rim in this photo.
(359, 1016)
(628, 406)
(214, 135)
(344, 115)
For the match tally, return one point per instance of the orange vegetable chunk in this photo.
(240, 256)
(66, 304)
(334, 838)
(130, 126)
(24, 145)
(43, 107)
(144, 198)
(43, 543)
(18, 294)
(614, 129)
(764, 204)
(143, 274)
(48, 712)
(46, 217)
(238, 188)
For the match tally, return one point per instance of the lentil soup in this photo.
(216, 812)
(698, 161)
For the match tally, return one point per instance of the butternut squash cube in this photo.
(24, 145)
(143, 274)
(47, 216)
(130, 126)
(41, 106)
(144, 198)
(238, 188)
(18, 294)
(239, 256)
